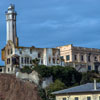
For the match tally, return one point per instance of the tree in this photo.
(88, 77)
(43, 70)
(67, 75)
(26, 69)
(35, 62)
(57, 85)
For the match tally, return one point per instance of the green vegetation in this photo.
(63, 77)
(68, 75)
(43, 70)
(88, 77)
(57, 85)
(26, 69)
(35, 62)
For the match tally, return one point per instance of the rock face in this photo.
(12, 88)
(34, 77)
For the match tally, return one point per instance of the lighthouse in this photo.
(11, 25)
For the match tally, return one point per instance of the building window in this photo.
(95, 58)
(76, 98)
(0, 69)
(39, 55)
(22, 60)
(30, 51)
(68, 57)
(20, 51)
(8, 61)
(89, 58)
(88, 98)
(27, 60)
(49, 59)
(75, 57)
(30, 61)
(53, 60)
(64, 99)
(62, 57)
(89, 68)
(8, 69)
(82, 58)
(41, 61)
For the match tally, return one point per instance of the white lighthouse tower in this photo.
(11, 25)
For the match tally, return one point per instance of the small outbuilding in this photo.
(89, 91)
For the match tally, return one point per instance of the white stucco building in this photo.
(16, 56)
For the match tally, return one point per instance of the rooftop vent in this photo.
(95, 84)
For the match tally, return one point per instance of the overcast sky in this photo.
(51, 23)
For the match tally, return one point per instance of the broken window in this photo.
(30, 61)
(30, 51)
(8, 61)
(22, 60)
(15, 60)
(27, 60)
(49, 59)
(54, 60)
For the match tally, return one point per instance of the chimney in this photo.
(95, 84)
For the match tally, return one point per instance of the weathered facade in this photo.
(16, 56)
(83, 59)
(22, 56)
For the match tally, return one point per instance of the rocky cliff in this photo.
(12, 88)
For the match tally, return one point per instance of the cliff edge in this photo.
(12, 88)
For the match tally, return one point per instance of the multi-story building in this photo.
(83, 59)
(16, 56)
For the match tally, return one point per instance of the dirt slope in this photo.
(15, 89)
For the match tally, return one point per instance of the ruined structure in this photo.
(16, 56)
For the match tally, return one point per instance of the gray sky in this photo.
(51, 23)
